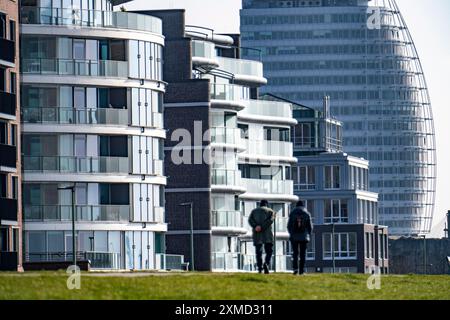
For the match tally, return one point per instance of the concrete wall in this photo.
(407, 255)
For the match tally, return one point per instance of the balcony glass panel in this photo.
(241, 66)
(225, 177)
(268, 147)
(94, 68)
(225, 135)
(90, 18)
(76, 164)
(229, 92)
(269, 186)
(203, 49)
(227, 219)
(75, 116)
(83, 212)
(267, 108)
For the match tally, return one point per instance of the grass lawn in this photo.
(208, 286)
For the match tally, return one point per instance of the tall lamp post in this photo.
(191, 213)
(74, 243)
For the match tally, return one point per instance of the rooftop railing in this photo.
(89, 18)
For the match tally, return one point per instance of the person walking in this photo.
(261, 220)
(300, 228)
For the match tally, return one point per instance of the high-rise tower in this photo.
(361, 54)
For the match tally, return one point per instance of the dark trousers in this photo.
(268, 248)
(296, 245)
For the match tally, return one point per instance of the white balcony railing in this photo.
(269, 148)
(233, 219)
(267, 109)
(241, 67)
(264, 186)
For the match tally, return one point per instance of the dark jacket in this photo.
(264, 218)
(299, 225)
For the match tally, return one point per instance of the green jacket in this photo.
(263, 217)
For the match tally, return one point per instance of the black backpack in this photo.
(300, 221)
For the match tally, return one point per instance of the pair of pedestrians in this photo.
(299, 227)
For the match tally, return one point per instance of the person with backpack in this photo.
(300, 228)
(261, 220)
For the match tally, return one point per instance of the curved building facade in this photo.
(92, 108)
(361, 54)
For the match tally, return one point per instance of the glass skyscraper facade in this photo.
(361, 54)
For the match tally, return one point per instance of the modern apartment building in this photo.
(10, 175)
(225, 150)
(335, 187)
(93, 134)
(361, 54)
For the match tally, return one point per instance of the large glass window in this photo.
(304, 177)
(343, 246)
(332, 177)
(336, 211)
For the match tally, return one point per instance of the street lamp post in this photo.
(74, 243)
(332, 247)
(191, 213)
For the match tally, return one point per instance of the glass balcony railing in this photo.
(267, 109)
(83, 213)
(76, 164)
(264, 186)
(281, 224)
(227, 219)
(228, 261)
(228, 92)
(159, 214)
(98, 260)
(108, 116)
(170, 262)
(203, 49)
(241, 67)
(225, 177)
(269, 148)
(89, 18)
(71, 67)
(225, 135)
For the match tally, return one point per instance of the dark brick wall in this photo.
(180, 244)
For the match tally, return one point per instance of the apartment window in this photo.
(15, 187)
(302, 135)
(244, 131)
(276, 134)
(3, 239)
(3, 186)
(13, 82)
(343, 245)
(3, 132)
(14, 134)
(369, 246)
(332, 177)
(304, 177)
(12, 30)
(336, 211)
(2, 25)
(2, 79)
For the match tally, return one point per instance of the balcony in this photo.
(204, 54)
(269, 148)
(170, 262)
(227, 219)
(109, 213)
(76, 164)
(8, 209)
(90, 18)
(7, 103)
(8, 261)
(244, 71)
(226, 261)
(223, 180)
(70, 67)
(105, 116)
(8, 156)
(269, 187)
(8, 51)
(281, 224)
(223, 135)
(230, 95)
(261, 109)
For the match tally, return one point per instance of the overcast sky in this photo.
(429, 23)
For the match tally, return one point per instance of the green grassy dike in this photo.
(213, 286)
